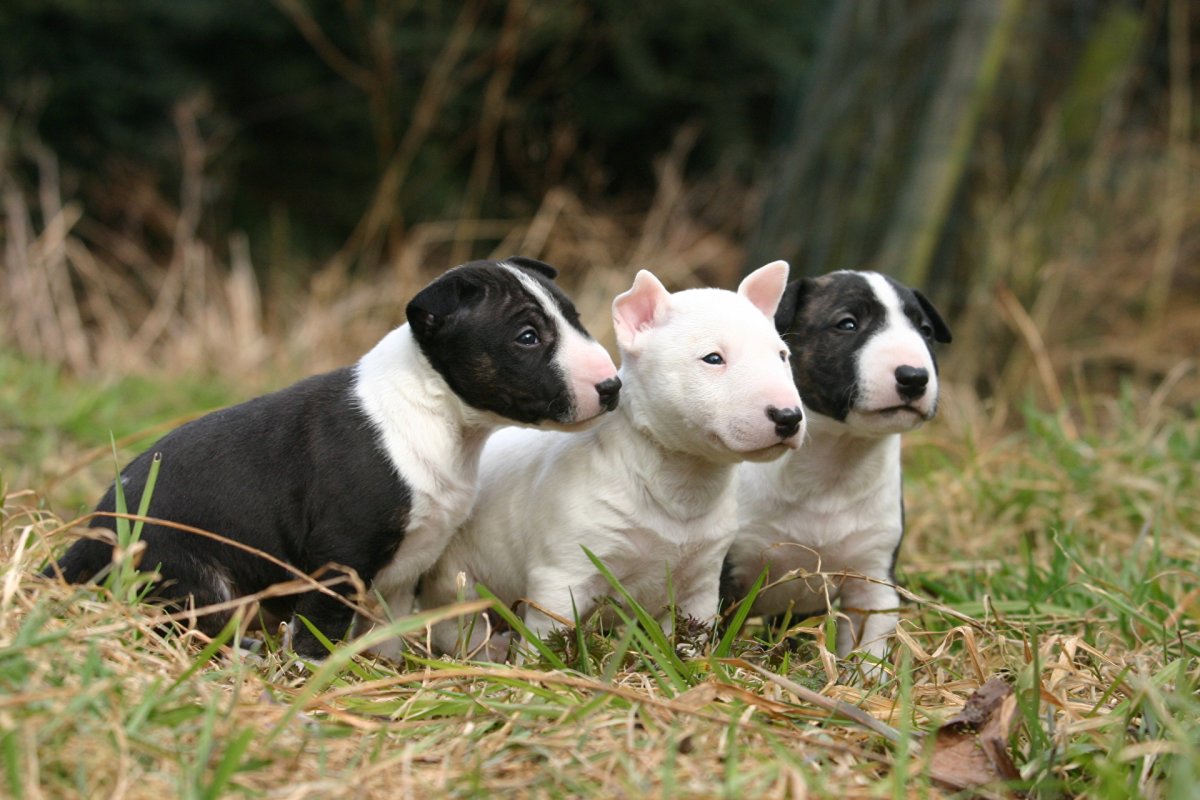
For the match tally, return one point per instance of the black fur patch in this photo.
(298, 474)
(468, 324)
(547, 274)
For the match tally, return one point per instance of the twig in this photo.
(837, 707)
(338, 61)
(489, 126)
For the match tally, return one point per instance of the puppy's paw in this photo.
(248, 649)
(391, 650)
(296, 638)
(495, 649)
(692, 636)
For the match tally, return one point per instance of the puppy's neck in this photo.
(417, 413)
(686, 484)
(836, 459)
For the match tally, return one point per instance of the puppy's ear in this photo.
(539, 267)
(637, 310)
(791, 303)
(436, 302)
(764, 287)
(941, 331)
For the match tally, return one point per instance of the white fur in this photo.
(834, 506)
(650, 489)
(434, 440)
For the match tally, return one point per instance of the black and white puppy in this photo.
(862, 350)
(370, 467)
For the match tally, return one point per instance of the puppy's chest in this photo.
(827, 533)
(830, 526)
(815, 504)
(645, 547)
(830, 542)
(441, 502)
(647, 553)
(649, 564)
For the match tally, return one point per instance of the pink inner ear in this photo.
(635, 310)
(764, 287)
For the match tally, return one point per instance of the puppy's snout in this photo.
(787, 420)
(610, 393)
(911, 381)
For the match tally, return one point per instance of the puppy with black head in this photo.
(370, 467)
(862, 349)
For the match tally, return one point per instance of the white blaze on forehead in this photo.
(897, 343)
(543, 297)
(582, 361)
(887, 296)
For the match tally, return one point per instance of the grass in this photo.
(1061, 557)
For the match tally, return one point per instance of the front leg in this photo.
(398, 602)
(871, 611)
(332, 616)
(700, 600)
(561, 594)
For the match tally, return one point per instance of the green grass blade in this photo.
(585, 665)
(660, 646)
(147, 493)
(10, 752)
(658, 664)
(617, 659)
(330, 647)
(341, 657)
(518, 625)
(206, 654)
(739, 618)
(231, 759)
(119, 497)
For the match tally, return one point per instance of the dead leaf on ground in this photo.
(971, 750)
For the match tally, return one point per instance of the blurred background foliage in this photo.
(303, 106)
(202, 185)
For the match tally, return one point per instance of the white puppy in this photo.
(650, 490)
(862, 354)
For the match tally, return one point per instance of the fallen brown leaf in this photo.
(971, 749)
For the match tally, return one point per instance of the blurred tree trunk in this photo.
(844, 155)
(904, 120)
(948, 130)
(883, 134)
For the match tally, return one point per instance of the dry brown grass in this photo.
(99, 702)
(100, 304)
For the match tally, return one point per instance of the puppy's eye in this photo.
(713, 358)
(926, 330)
(783, 356)
(847, 323)
(528, 337)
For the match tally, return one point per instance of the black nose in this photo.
(610, 393)
(787, 420)
(911, 381)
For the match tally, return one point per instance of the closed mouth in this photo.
(782, 444)
(897, 409)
